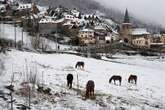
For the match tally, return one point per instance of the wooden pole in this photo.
(77, 84)
(22, 36)
(15, 34)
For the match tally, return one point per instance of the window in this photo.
(90, 36)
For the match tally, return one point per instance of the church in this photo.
(136, 36)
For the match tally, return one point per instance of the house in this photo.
(24, 7)
(157, 41)
(100, 34)
(2, 9)
(86, 36)
(25, 10)
(162, 39)
(75, 13)
(3, 1)
(109, 38)
(141, 42)
(49, 25)
(69, 17)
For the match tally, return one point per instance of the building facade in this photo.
(86, 36)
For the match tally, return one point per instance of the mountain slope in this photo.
(91, 6)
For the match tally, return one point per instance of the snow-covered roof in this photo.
(68, 16)
(75, 12)
(99, 28)
(50, 20)
(87, 30)
(2, 6)
(110, 21)
(68, 24)
(156, 35)
(107, 37)
(90, 15)
(141, 38)
(24, 6)
(140, 31)
(42, 8)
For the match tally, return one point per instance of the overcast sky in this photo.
(151, 10)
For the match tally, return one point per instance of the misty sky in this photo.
(151, 10)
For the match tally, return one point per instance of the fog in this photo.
(149, 10)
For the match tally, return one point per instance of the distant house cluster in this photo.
(139, 37)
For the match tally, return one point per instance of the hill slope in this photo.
(91, 6)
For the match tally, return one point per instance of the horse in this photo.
(80, 64)
(69, 80)
(114, 78)
(90, 89)
(132, 78)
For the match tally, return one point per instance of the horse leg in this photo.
(93, 93)
(135, 81)
(70, 85)
(67, 83)
(114, 82)
(87, 94)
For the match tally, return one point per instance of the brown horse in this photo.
(132, 78)
(69, 80)
(80, 64)
(114, 78)
(90, 89)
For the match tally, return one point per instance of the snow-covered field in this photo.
(7, 31)
(148, 94)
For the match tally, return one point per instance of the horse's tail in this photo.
(110, 80)
(120, 80)
(128, 80)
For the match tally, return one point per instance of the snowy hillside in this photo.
(8, 33)
(52, 69)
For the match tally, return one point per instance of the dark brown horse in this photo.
(114, 78)
(90, 89)
(132, 79)
(80, 64)
(69, 80)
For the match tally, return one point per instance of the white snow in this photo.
(87, 30)
(139, 31)
(8, 32)
(146, 95)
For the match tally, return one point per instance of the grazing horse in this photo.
(90, 89)
(132, 78)
(69, 80)
(80, 64)
(114, 78)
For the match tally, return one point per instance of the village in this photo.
(80, 29)
(58, 58)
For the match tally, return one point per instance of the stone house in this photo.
(103, 34)
(86, 36)
(49, 25)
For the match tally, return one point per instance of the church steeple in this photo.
(126, 17)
